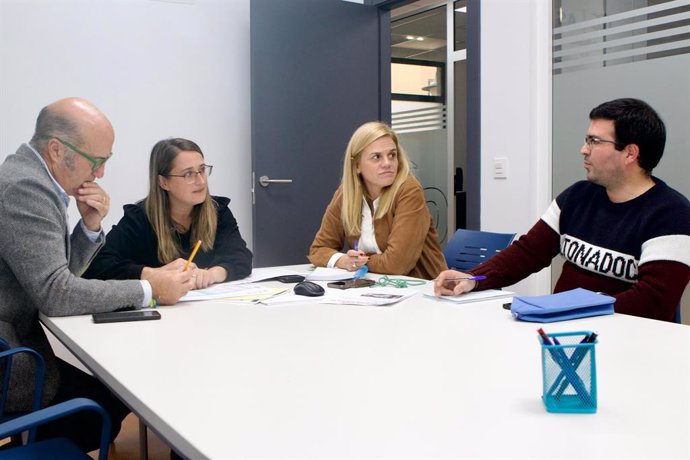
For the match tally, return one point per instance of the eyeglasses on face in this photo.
(96, 162)
(593, 141)
(190, 176)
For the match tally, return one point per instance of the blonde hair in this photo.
(353, 185)
(157, 203)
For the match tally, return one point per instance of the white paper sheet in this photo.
(473, 296)
(330, 274)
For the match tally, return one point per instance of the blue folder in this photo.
(573, 304)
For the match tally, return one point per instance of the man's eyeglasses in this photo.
(593, 141)
(96, 162)
(190, 176)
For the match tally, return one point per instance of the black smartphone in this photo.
(121, 316)
(348, 284)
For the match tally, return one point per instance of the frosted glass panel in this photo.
(418, 108)
(619, 48)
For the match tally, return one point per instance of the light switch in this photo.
(500, 168)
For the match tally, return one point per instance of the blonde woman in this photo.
(159, 232)
(379, 212)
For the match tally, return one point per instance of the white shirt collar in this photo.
(367, 241)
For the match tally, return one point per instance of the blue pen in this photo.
(471, 278)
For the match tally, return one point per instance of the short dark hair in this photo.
(635, 122)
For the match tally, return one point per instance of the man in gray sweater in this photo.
(41, 261)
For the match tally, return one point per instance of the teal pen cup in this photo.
(569, 373)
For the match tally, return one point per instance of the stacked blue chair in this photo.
(468, 248)
(13, 425)
(7, 353)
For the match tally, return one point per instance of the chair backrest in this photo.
(6, 356)
(13, 425)
(62, 448)
(468, 248)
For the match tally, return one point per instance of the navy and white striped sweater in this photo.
(638, 251)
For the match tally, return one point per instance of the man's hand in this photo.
(169, 285)
(93, 205)
(451, 282)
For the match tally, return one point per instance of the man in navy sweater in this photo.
(622, 231)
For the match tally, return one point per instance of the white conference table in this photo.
(422, 378)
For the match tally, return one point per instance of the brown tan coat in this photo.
(406, 236)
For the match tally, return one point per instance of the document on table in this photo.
(474, 296)
(330, 274)
(373, 296)
(226, 290)
(256, 298)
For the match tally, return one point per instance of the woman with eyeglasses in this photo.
(379, 211)
(160, 232)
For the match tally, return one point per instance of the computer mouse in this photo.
(308, 289)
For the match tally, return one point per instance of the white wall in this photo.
(157, 69)
(516, 118)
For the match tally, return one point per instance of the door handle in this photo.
(265, 181)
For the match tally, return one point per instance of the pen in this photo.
(545, 338)
(191, 256)
(471, 278)
(355, 245)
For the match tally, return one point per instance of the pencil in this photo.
(191, 256)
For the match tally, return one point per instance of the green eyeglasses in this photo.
(96, 162)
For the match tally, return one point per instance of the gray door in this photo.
(319, 68)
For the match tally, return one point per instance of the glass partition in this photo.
(418, 107)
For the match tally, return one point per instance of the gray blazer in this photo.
(40, 268)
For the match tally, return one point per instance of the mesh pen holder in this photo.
(569, 373)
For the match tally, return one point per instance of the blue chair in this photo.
(13, 425)
(7, 354)
(468, 248)
(61, 448)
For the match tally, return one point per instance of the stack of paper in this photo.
(329, 274)
(474, 296)
(373, 296)
(226, 290)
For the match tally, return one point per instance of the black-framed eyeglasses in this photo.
(190, 176)
(96, 162)
(593, 141)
